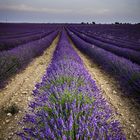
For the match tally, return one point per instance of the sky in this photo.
(70, 11)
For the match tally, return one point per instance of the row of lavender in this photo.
(119, 42)
(67, 103)
(13, 60)
(18, 29)
(111, 40)
(18, 35)
(123, 35)
(124, 70)
(127, 53)
(10, 43)
(12, 35)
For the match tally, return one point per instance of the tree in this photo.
(117, 23)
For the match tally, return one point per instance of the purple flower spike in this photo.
(69, 105)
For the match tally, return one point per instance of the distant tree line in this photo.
(88, 23)
(112, 23)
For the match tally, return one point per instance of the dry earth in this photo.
(128, 112)
(14, 98)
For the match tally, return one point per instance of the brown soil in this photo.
(14, 98)
(128, 112)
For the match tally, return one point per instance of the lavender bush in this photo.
(7, 44)
(124, 36)
(113, 40)
(13, 60)
(67, 103)
(124, 70)
(19, 35)
(127, 53)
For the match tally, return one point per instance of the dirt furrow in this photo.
(128, 113)
(14, 98)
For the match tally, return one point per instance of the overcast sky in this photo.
(100, 11)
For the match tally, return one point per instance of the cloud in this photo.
(28, 8)
(94, 11)
(103, 11)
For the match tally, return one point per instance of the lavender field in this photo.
(69, 81)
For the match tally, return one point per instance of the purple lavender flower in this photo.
(69, 104)
(14, 60)
(127, 73)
